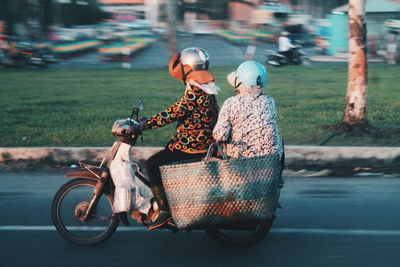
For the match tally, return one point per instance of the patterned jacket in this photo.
(247, 124)
(196, 113)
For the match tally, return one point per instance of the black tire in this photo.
(232, 238)
(65, 203)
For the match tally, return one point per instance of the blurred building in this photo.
(243, 10)
(223, 10)
(315, 8)
(154, 11)
(378, 13)
(130, 9)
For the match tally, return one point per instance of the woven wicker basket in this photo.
(224, 193)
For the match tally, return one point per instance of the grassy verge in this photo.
(78, 107)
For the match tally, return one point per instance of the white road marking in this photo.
(73, 228)
(335, 231)
(273, 230)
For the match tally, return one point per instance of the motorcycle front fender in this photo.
(275, 54)
(95, 175)
(273, 63)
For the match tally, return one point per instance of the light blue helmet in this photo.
(252, 73)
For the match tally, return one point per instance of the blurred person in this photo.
(372, 45)
(285, 46)
(11, 47)
(3, 42)
(196, 114)
(322, 45)
(398, 54)
(247, 121)
(3, 45)
(391, 49)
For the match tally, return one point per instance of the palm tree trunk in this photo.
(355, 109)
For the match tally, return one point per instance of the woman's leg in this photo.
(164, 157)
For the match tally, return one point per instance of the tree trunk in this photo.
(355, 109)
(354, 120)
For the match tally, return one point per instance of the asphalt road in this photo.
(222, 53)
(324, 222)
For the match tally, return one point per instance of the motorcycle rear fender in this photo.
(84, 173)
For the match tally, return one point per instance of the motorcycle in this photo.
(27, 55)
(82, 209)
(48, 56)
(277, 59)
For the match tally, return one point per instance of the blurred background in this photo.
(98, 52)
(111, 33)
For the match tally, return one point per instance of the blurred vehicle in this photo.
(277, 59)
(201, 27)
(322, 45)
(304, 39)
(48, 56)
(27, 55)
(300, 35)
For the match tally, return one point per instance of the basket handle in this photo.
(211, 149)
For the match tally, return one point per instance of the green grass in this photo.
(78, 107)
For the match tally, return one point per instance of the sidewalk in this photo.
(336, 158)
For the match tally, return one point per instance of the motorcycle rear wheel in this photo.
(70, 202)
(306, 61)
(240, 238)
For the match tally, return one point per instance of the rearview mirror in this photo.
(139, 104)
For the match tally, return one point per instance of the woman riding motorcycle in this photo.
(196, 113)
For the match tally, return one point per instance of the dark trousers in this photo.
(164, 157)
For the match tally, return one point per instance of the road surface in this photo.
(324, 222)
(222, 53)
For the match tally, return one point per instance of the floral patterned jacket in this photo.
(196, 113)
(247, 124)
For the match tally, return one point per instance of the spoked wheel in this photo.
(240, 238)
(70, 204)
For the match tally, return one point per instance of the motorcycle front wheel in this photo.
(70, 203)
(240, 238)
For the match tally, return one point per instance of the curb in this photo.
(343, 59)
(296, 156)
